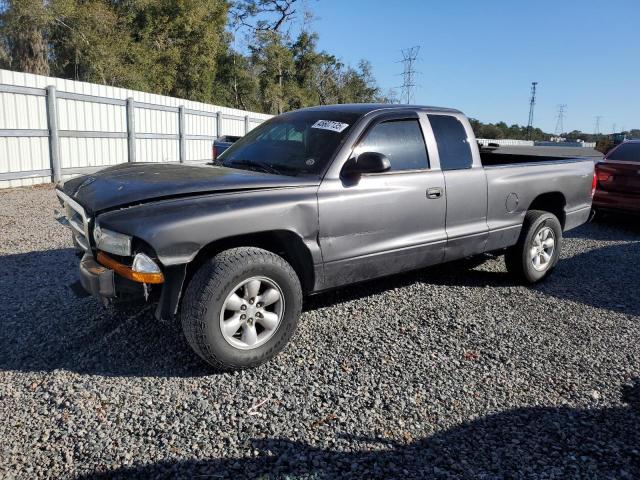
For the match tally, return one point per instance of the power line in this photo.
(532, 104)
(560, 122)
(409, 59)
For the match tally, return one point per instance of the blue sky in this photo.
(481, 56)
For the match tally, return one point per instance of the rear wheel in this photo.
(241, 308)
(538, 249)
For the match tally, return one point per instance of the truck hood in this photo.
(135, 183)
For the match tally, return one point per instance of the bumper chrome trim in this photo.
(73, 208)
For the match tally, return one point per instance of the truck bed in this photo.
(515, 155)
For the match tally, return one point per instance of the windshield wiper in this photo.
(264, 167)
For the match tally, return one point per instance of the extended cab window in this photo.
(453, 145)
(401, 141)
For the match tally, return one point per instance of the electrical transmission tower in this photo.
(560, 121)
(597, 129)
(409, 59)
(532, 104)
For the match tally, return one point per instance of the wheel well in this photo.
(552, 202)
(285, 243)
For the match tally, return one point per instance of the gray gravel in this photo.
(439, 373)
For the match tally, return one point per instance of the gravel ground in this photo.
(441, 373)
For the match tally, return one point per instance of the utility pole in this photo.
(560, 122)
(409, 59)
(532, 104)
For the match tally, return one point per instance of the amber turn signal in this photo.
(128, 272)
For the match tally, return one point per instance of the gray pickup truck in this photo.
(309, 201)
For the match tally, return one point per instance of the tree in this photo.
(604, 144)
(491, 131)
(501, 130)
(180, 41)
(236, 85)
(358, 85)
(24, 26)
(167, 47)
(275, 66)
(5, 58)
(181, 48)
(90, 42)
(262, 15)
(633, 133)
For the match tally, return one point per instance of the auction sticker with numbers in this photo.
(330, 125)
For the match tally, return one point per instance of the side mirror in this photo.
(368, 162)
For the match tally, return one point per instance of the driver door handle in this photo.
(434, 192)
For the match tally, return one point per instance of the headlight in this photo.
(112, 242)
(143, 264)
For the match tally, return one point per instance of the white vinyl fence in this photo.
(51, 128)
(506, 142)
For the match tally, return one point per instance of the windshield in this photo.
(296, 143)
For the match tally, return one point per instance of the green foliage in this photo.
(179, 42)
(634, 133)
(502, 130)
(604, 144)
(90, 42)
(182, 48)
(236, 85)
(517, 132)
(165, 47)
(23, 25)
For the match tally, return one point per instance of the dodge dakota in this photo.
(308, 201)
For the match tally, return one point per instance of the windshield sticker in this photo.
(330, 125)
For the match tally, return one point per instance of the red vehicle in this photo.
(618, 175)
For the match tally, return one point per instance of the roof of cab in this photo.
(365, 108)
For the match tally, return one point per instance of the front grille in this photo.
(76, 220)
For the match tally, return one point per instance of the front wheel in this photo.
(241, 308)
(538, 249)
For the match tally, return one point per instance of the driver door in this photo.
(383, 223)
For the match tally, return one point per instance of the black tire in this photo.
(205, 296)
(518, 259)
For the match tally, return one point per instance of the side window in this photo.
(401, 141)
(453, 146)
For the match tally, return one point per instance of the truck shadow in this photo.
(535, 442)
(613, 227)
(45, 327)
(591, 278)
(609, 226)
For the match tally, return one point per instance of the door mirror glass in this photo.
(368, 162)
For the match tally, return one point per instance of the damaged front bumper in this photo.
(106, 285)
(97, 280)
(103, 283)
(113, 282)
